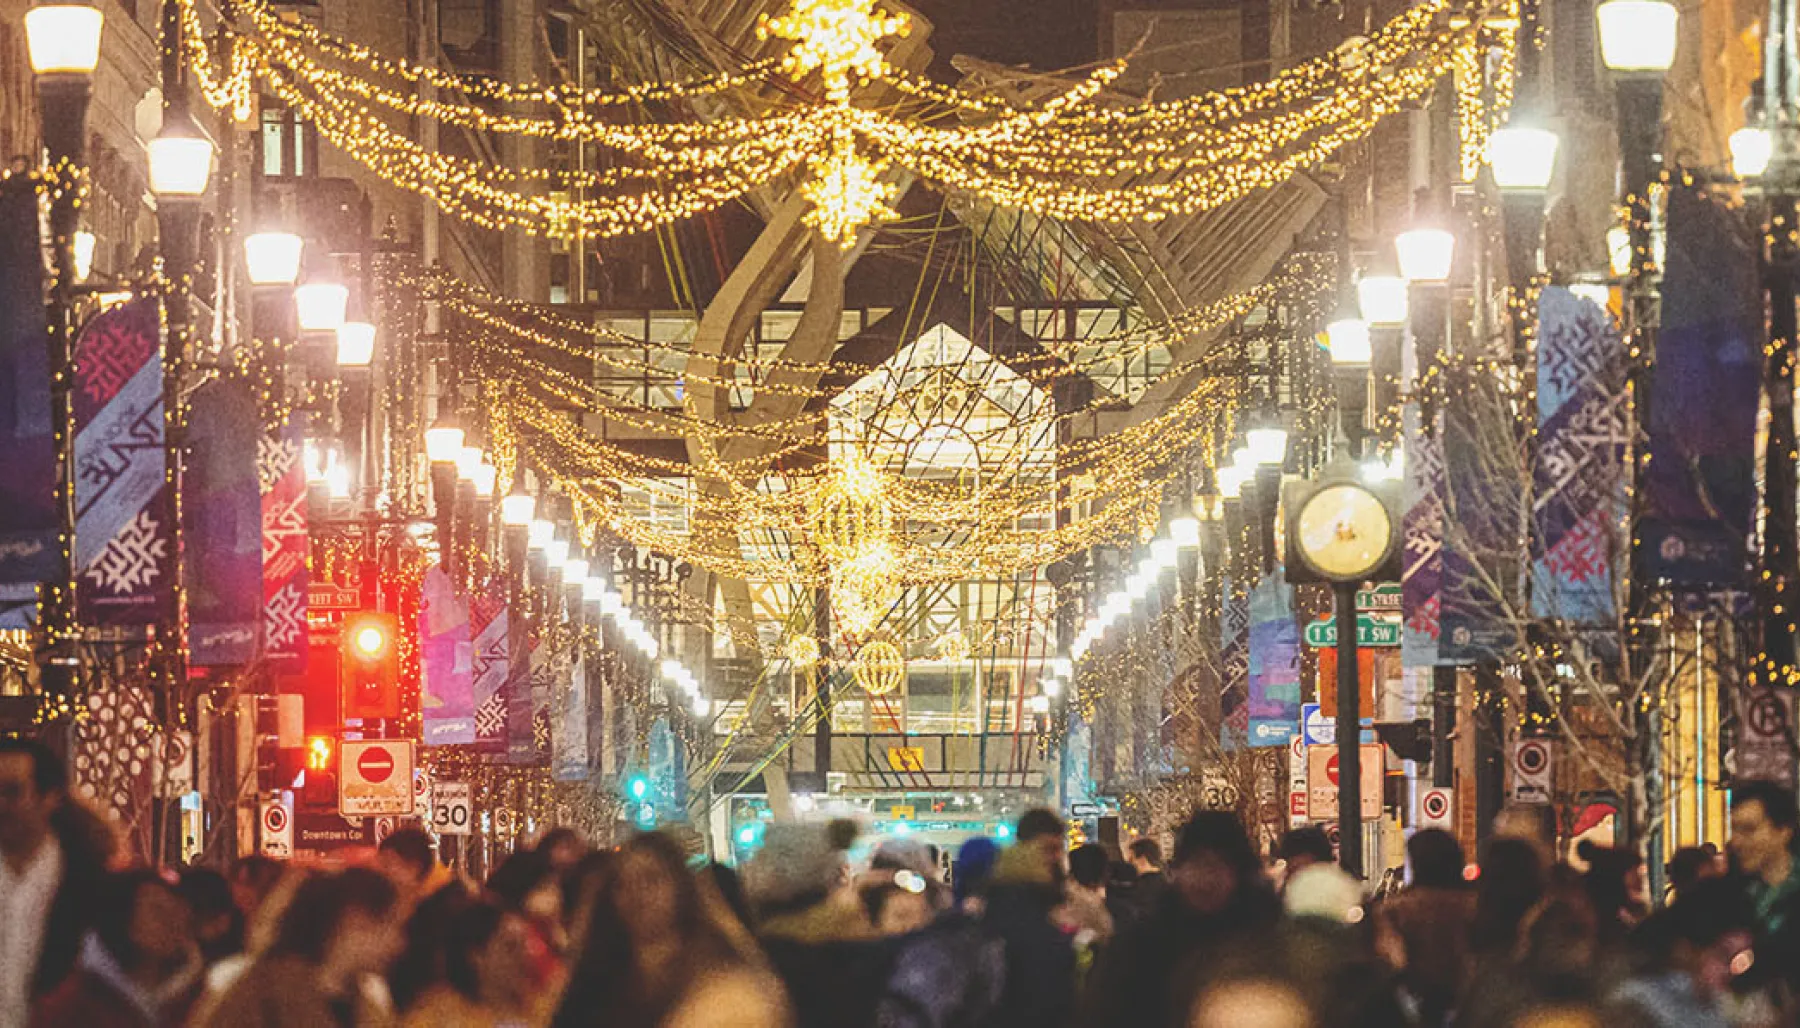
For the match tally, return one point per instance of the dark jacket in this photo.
(1148, 977)
(87, 846)
(835, 970)
(1433, 926)
(1040, 955)
(948, 975)
(98, 994)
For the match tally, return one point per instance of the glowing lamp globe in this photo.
(320, 307)
(355, 344)
(1382, 300)
(273, 258)
(1231, 482)
(63, 39)
(1268, 445)
(443, 443)
(1638, 35)
(517, 509)
(538, 534)
(1348, 339)
(1185, 532)
(1425, 254)
(468, 459)
(486, 477)
(85, 244)
(180, 164)
(556, 554)
(575, 570)
(1752, 147)
(1523, 158)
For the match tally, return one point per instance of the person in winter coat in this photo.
(487, 972)
(1430, 922)
(338, 935)
(139, 968)
(1217, 900)
(1022, 902)
(1695, 948)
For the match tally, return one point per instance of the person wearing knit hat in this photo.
(1324, 891)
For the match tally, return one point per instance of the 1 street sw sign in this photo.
(452, 812)
(1382, 597)
(1371, 630)
(375, 777)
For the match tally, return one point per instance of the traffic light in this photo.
(320, 790)
(637, 788)
(370, 670)
(319, 753)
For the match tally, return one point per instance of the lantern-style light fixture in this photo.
(355, 344)
(1185, 531)
(180, 161)
(443, 442)
(85, 244)
(1638, 35)
(517, 508)
(467, 460)
(1348, 339)
(1523, 158)
(1382, 300)
(1752, 147)
(1231, 481)
(321, 306)
(63, 39)
(1268, 441)
(1425, 254)
(538, 534)
(273, 258)
(485, 478)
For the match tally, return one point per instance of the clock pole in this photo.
(1349, 732)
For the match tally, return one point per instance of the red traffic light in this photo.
(370, 669)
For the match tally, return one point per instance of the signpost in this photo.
(1371, 630)
(1531, 771)
(375, 777)
(1322, 782)
(1297, 808)
(1437, 808)
(452, 812)
(277, 825)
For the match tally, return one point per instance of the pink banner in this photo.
(446, 659)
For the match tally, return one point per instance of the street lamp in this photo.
(180, 161)
(517, 508)
(1348, 340)
(1381, 300)
(1522, 157)
(1752, 148)
(1425, 254)
(85, 243)
(1638, 35)
(321, 306)
(273, 258)
(63, 39)
(443, 442)
(355, 345)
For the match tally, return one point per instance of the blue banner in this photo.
(569, 725)
(1422, 527)
(1579, 474)
(28, 521)
(1699, 491)
(1483, 494)
(1234, 663)
(222, 518)
(1274, 666)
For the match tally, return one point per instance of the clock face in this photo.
(1344, 531)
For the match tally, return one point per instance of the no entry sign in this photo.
(375, 777)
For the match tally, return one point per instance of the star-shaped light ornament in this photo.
(836, 38)
(846, 193)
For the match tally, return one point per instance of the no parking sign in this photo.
(277, 830)
(1437, 809)
(1531, 771)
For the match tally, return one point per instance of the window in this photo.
(290, 145)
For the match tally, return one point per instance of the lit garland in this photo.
(1070, 158)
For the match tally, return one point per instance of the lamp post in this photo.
(63, 42)
(1637, 43)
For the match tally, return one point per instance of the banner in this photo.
(124, 546)
(491, 669)
(1699, 491)
(668, 775)
(1234, 663)
(28, 521)
(281, 476)
(569, 726)
(1422, 527)
(446, 664)
(1274, 664)
(528, 701)
(1483, 493)
(222, 519)
(1579, 475)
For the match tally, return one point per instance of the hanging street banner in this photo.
(281, 476)
(1579, 475)
(528, 707)
(28, 520)
(1422, 553)
(222, 519)
(668, 775)
(1234, 662)
(569, 725)
(446, 663)
(124, 543)
(1274, 664)
(492, 666)
(1699, 492)
(1483, 498)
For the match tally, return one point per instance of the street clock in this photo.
(1340, 529)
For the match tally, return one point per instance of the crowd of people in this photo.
(1032, 934)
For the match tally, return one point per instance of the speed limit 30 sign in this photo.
(451, 811)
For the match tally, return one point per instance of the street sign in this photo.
(375, 777)
(1437, 809)
(906, 758)
(1764, 748)
(1296, 782)
(1382, 597)
(277, 825)
(452, 811)
(1371, 630)
(175, 771)
(1318, 728)
(318, 833)
(1531, 771)
(900, 813)
(1084, 810)
(1322, 782)
(421, 794)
